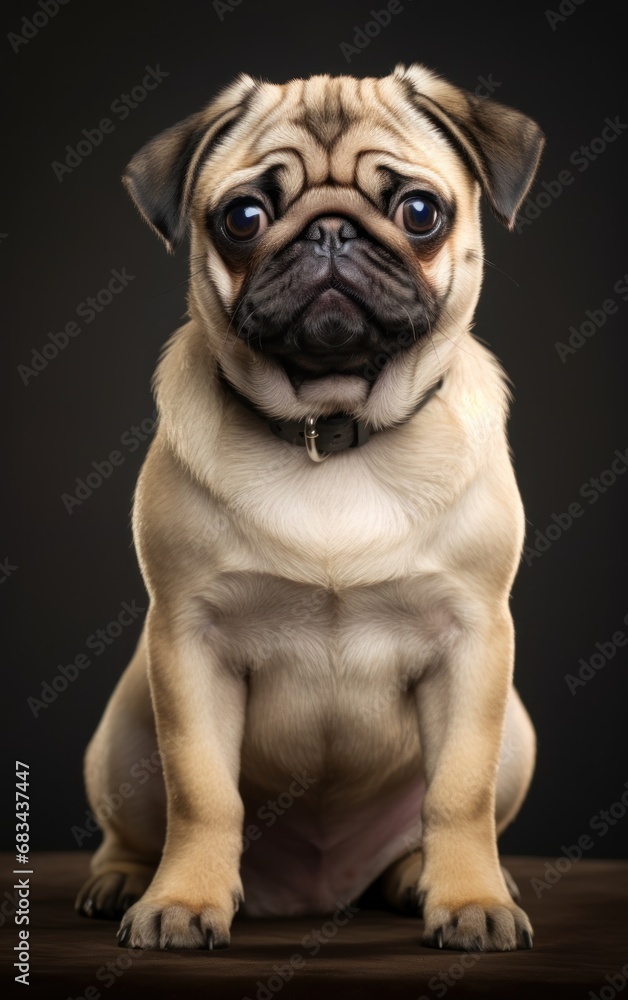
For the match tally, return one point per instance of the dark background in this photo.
(60, 241)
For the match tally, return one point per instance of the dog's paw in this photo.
(110, 895)
(412, 899)
(158, 925)
(477, 927)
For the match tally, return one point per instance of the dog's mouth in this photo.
(334, 332)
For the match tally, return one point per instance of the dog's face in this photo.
(334, 221)
(335, 289)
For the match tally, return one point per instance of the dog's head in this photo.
(334, 222)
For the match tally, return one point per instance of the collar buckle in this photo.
(311, 435)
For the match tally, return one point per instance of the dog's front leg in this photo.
(199, 706)
(461, 705)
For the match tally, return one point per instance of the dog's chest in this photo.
(331, 673)
(356, 520)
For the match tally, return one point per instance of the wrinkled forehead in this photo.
(332, 131)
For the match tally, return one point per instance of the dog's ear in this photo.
(161, 177)
(501, 146)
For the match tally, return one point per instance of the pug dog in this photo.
(328, 525)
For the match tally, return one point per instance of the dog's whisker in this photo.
(429, 327)
(489, 263)
(245, 321)
(235, 334)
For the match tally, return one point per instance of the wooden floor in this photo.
(581, 925)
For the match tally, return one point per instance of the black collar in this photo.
(335, 433)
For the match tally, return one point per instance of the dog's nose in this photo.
(331, 232)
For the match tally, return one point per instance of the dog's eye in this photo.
(417, 215)
(245, 221)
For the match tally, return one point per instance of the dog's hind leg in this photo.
(125, 788)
